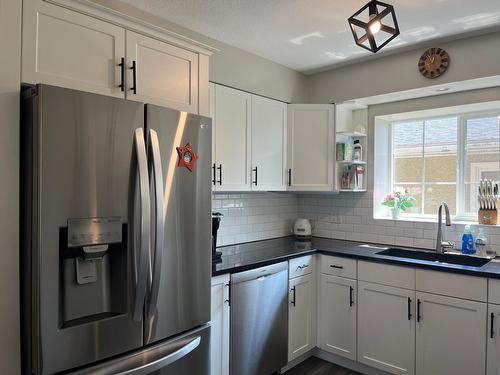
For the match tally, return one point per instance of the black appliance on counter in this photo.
(216, 255)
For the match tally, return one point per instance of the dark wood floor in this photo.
(316, 366)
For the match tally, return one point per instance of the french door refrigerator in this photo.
(116, 236)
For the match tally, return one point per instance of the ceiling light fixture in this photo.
(374, 25)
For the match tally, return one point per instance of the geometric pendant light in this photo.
(374, 25)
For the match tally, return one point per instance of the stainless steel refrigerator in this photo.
(116, 236)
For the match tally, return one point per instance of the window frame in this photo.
(462, 118)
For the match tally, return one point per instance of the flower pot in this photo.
(395, 212)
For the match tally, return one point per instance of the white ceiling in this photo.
(308, 35)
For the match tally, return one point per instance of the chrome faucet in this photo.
(440, 244)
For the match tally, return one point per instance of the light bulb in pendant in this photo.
(375, 26)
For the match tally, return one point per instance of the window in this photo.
(443, 159)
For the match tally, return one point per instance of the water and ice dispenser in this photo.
(93, 269)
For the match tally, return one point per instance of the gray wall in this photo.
(471, 58)
(232, 66)
(10, 45)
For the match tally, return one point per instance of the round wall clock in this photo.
(433, 62)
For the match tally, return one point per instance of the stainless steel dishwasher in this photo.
(259, 320)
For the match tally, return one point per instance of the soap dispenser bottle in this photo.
(468, 245)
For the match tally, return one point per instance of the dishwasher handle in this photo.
(259, 274)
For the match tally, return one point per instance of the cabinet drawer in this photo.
(494, 291)
(300, 266)
(453, 285)
(339, 266)
(401, 277)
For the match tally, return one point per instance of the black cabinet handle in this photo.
(492, 329)
(213, 174)
(335, 266)
(303, 266)
(255, 170)
(418, 310)
(290, 177)
(219, 168)
(229, 294)
(409, 308)
(122, 74)
(294, 296)
(351, 296)
(134, 77)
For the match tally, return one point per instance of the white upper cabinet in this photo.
(69, 49)
(337, 315)
(300, 316)
(311, 145)
(163, 74)
(451, 336)
(386, 328)
(232, 120)
(268, 144)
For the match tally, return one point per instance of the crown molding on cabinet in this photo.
(94, 9)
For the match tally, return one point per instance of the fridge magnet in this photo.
(187, 157)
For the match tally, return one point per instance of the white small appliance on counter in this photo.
(302, 229)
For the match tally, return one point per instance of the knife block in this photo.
(487, 217)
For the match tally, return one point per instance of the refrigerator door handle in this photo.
(164, 361)
(155, 259)
(141, 263)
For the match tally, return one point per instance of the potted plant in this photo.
(397, 201)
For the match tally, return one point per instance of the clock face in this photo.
(433, 62)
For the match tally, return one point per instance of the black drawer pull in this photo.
(255, 182)
(290, 177)
(418, 310)
(294, 296)
(351, 296)
(492, 329)
(219, 168)
(213, 174)
(409, 308)
(335, 266)
(303, 266)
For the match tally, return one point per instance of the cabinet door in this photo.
(493, 364)
(310, 149)
(386, 328)
(268, 144)
(219, 321)
(165, 75)
(451, 335)
(232, 139)
(300, 316)
(337, 315)
(69, 49)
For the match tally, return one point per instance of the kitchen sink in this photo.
(463, 260)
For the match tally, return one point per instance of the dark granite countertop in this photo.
(242, 257)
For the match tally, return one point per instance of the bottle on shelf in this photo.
(357, 151)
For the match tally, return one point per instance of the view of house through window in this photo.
(443, 159)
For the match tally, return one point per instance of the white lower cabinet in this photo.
(219, 320)
(493, 346)
(386, 328)
(451, 335)
(337, 315)
(301, 316)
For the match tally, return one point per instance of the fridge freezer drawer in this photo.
(187, 354)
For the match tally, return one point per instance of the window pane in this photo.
(435, 194)
(482, 145)
(416, 192)
(440, 150)
(407, 149)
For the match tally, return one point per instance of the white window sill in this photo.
(454, 220)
